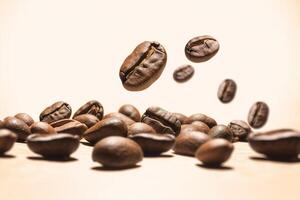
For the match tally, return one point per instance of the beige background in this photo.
(72, 50)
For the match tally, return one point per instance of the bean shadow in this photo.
(215, 167)
(7, 156)
(39, 158)
(103, 168)
(86, 143)
(280, 160)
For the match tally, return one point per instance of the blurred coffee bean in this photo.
(117, 152)
(258, 114)
(7, 140)
(131, 112)
(221, 131)
(202, 126)
(87, 119)
(128, 121)
(57, 111)
(180, 117)
(72, 127)
(1, 124)
(19, 127)
(183, 73)
(25, 117)
(140, 127)
(92, 107)
(240, 129)
(227, 90)
(193, 127)
(42, 128)
(210, 122)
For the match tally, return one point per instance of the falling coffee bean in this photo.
(183, 73)
(188, 142)
(19, 127)
(154, 144)
(53, 146)
(282, 144)
(240, 130)
(42, 128)
(210, 122)
(143, 66)
(161, 120)
(221, 131)
(131, 112)
(7, 140)
(214, 152)
(181, 117)
(87, 119)
(117, 152)
(57, 111)
(92, 107)
(139, 127)
(105, 128)
(72, 127)
(128, 121)
(258, 114)
(227, 91)
(201, 48)
(25, 117)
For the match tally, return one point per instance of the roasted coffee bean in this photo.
(42, 128)
(202, 126)
(258, 114)
(19, 127)
(128, 121)
(180, 117)
(61, 122)
(72, 127)
(91, 107)
(161, 120)
(117, 152)
(105, 128)
(87, 119)
(54, 146)
(240, 129)
(154, 144)
(1, 124)
(183, 73)
(57, 111)
(131, 112)
(201, 48)
(214, 152)
(140, 127)
(194, 127)
(143, 66)
(7, 140)
(188, 142)
(227, 90)
(210, 122)
(25, 117)
(221, 131)
(276, 144)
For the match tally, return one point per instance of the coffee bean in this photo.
(221, 131)
(210, 122)
(161, 120)
(131, 112)
(154, 144)
(42, 128)
(7, 140)
(189, 141)
(183, 73)
(180, 117)
(276, 144)
(72, 127)
(201, 48)
(140, 127)
(92, 107)
(117, 152)
(128, 121)
(194, 127)
(143, 66)
(87, 119)
(25, 117)
(214, 152)
(227, 90)
(53, 146)
(202, 126)
(19, 127)
(258, 114)
(55, 112)
(240, 129)
(105, 128)
(61, 122)
(1, 124)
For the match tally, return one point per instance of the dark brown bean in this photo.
(258, 114)
(201, 48)
(131, 112)
(181, 117)
(276, 144)
(240, 130)
(221, 131)
(92, 107)
(202, 126)
(214, 152)
(19, 127)
(42, 128)
(73, 127)
(183, 73)
(227, 90)
(117, 152)
(128, 121)
(25, 117)
(105, 128)
(61, 122)
(140, 127)
(53, 146)
(7, 140)
(57, 111)
(210, 122)
(154, 144)
(193, 127)
(87, 119)
(143, 66)
(1, 124)
(161, 120)
(189, 141)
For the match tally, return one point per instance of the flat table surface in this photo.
(247, 175)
